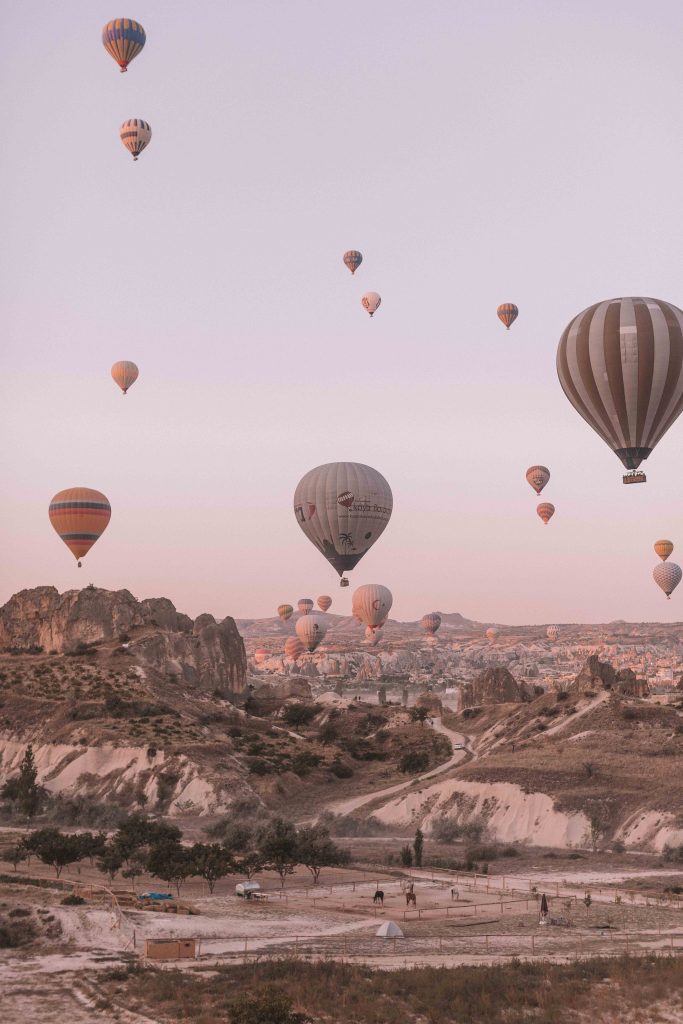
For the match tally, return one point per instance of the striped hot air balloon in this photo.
(343, 507)
(285, 611)
(305, 606)
(371, 301)
(123, 39)
(135, 135)
(431, 622)
(552, 632)
(492, 633)
(372, 604)
(667, 575)
(545, 511)
(293, 647)
(125, 374)
(311, 631)
(663, 548)
(353, 259)
(324, 603)
(80, 516)
(538, 477)
(507, 314)
(620, 364)
(261, 654)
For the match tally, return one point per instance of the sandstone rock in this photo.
(493, 686)
(212, 658)
(284, 689)
(601, 675)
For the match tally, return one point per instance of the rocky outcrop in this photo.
(211, 658)
(601, 675)
(493, 686)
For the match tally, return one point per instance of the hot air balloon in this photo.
(371, 301)
(261, 655)
(285, 611)
(123, 39)
(311, 630)
(125, 374)
(667, 575)
(373, 636)
(372, 603)
(546, 511)
(507, 314)
(135, 135)
(353, 259)
(552, 632)
(324, 602)
(492, 633)
(293, 648)
(305, 606)
(663, 548)
(619, 364)
(431, 622)
(80, 516)
(538, 477)
(343, 507)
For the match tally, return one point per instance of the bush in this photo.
(303, 762)
(341, 770)
(342, 825)
(414, 761)
(259, 766)
(299, 713)
(267, 1007)
(447, 829)
(15, 933)
(673, 854)
(73, 901)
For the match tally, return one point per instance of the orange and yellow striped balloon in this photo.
(663, 548)
(545, 511)
(125, 374)
(80, 516)
(507, 314)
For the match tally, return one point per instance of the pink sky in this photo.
(475, 154)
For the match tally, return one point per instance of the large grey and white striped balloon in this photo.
(667, 575)
(620, 364)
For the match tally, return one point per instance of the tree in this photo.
(110, 860)
(266, 1007)
(406, 856)
(211, 862)
(316, 850)
(137, 830)
(170, 862)
(17, 853)
(250, 864)
(23, 790)
(277, 845)
(418, 847)
(53, 848)
(91, 845)
(419, 714)
(137, 865)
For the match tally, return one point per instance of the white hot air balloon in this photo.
(343, 507)
(135, 134)
(667, 575)
(371, 301)
(311, 630)
(372, 603)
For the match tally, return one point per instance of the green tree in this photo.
(418, 847)
(267, 1007)
(54, 849)
(137, 865)
(278, 846)
(137, 830)
(170, 862)
(22, 790)
(249, 865)
(406, 856)
(211, 862)
(317, 851)
(17, 853)
(110, 861)
(419, 714)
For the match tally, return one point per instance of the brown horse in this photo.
(411, 898)
(378, 897)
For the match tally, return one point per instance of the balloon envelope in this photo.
(123, 39)
(492, 633)
(293, 647)
(353, 259)
(667, 575)
(311, 630)
(552, 632)
(135, 135)
(538, 477)
(663, 548)
(546, 511)
(619, 364)
(372, 603)
(305, 606)
(324, 602)
(431, 622)
(371, 301)
(343, 507)
(80, 515)
(285, 611)
(507, 314)
(125, 374)
(261, 655)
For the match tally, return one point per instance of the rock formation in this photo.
(495, 685)
(601, 675)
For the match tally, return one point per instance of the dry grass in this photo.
(518, 993)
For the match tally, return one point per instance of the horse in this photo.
(411, 898)
(378, 897)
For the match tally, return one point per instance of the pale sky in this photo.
(475, 153)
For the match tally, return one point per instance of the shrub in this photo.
(341, 770)
(259, 766)
(447, 829)
(299, 713)
(414, 761)
(303, 762)
(73, 901)
(673, 854)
